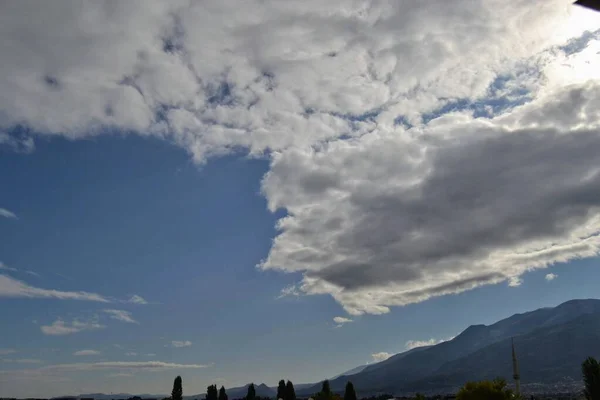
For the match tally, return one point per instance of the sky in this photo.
(244, 192)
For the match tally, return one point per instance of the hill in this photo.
(552, 343)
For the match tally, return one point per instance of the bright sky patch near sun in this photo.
(418, 149)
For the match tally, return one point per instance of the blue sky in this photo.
(99, 215)
(181, 195)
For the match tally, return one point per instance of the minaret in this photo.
(516, 375)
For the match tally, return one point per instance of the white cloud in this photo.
(381, 356)
(60, 327)
(411, 344)
(32, 273)
(387, 201)
(150, 355)
(121, 315)
(131, 354)
(181, 343)
(86, 353)
(4, 352)
(135, 299)
(514, 281)
(341, 320)
(10, 287)
(551, 276)
(122, 365)
(6, 213)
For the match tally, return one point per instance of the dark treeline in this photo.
(482, 390)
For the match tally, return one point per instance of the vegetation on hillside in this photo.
(485, 390)
(496, 389)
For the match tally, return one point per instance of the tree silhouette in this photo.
(222, 393)
(290, 393)
(326, 389)
(177, 393)
(485, 390)
(349, 393)
(212, 393)
(251, 395)
(281, 390)
(590, 369)
(325, 393)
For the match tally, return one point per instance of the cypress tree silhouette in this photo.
(177, 393)
(281, 390)
(349, 393)
(251, 392)
(222, 393)
(590, 369)
(211, 392)
(290, 393)
(326, 389)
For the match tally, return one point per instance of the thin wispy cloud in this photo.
(22, 360)
(123, 365)
(135, 299)
(87, 353)
(550, 277)
(32, 273)
(131, 354)
(181, 343)
(7, 268)
(7, 214)
(120, 315)
(60, 327)
(4, 352)
(291, 290)
(10, 287)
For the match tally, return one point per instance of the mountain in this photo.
(103, 396)
(352, 371)
(553, 342)
(262, 390)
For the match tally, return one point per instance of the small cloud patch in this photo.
(181, 343)
(550, 277)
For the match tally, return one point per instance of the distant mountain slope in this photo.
(405, 369)
(352, 371)
(262, 390)
(546, 355)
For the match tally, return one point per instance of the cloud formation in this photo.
(381, 356)
(135, 299)
(7, 268)
(10, 287)
(86, 353)
(22, 360)
(340, 321)
(181, 343)
(4, 352)
(60, 327)
(411, 162)
(411, 344)
(120, 315)
(550, 277)
(7, 214)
